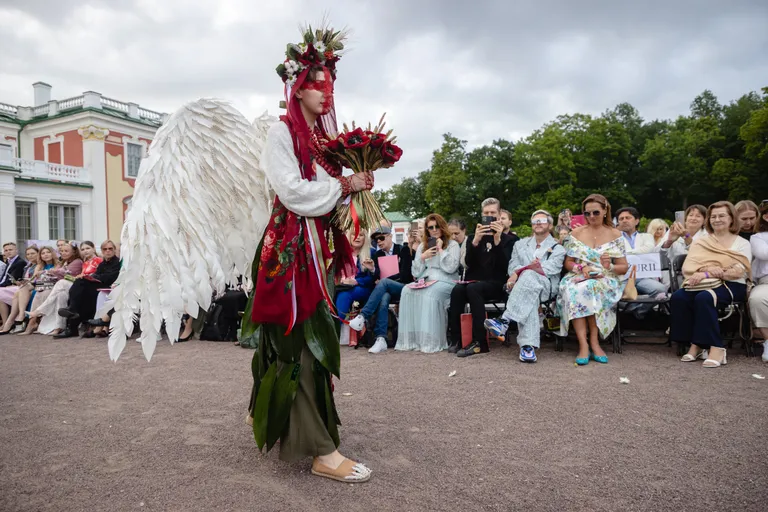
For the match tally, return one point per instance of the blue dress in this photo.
(423, 318)
(360, 293)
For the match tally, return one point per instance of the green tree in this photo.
(446, 177)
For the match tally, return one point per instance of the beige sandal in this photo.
(689, 358)
(348, 471)
(249, 420)
(714, 363)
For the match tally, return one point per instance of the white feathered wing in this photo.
(199, 209)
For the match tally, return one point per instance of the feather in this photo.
(200, 207)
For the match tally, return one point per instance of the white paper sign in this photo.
(648, 265)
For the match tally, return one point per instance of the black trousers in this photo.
(82, 299)
(476, 295)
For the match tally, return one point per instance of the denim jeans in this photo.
(378, 304)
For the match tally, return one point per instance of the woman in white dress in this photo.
(423, 318)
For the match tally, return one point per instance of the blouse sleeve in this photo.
(745, 248)
(514, 261)
(759, 247)
(303, 197)
(75, 267)
(418, 266)
(449, 259)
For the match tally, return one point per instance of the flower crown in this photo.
(321, 47)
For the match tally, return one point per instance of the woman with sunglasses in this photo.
(424, 305)
(595, 261)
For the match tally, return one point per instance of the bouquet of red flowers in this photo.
(363, 150)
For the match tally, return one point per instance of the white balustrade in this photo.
(49, 171)
(9, 110)
(86, 100)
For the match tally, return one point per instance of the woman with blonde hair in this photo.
(358, 287)
(424, 304)
(748, 215)
(657, 228)
(42, 275)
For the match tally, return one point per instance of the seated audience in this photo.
(534, 274)
(639, 243)
(595, 261)
(758, 298)
(564, 220)
(38, 283)
(59, 244)
(48, 311)
(386, 289)
(81, 305)
(14, 265)
(458, 229)
(9, 303)
(715, 270)
(680, 237)
(355, 288)
(423, 311)
(71, 265)
(2, 265)
(748, 215)
(505, 216)
(561, 233)
(657, 228)
(488, 254)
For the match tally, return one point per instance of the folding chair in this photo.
(620, 336)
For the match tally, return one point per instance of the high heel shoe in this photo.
(185, 339)
(599, 359)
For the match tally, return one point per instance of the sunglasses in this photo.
(594, 213)
(107, 248)
(433, 228)
(538, 222)
(379, 238)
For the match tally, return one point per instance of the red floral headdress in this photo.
(321, 47)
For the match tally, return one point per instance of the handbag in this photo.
(708, 283)
(630, 290)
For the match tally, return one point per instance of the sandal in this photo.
(689, 358)
(348, 471)
(714, 363)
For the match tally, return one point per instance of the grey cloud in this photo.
(483, 69)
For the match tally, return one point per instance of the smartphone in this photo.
(432, 242)
(680, 217)
(487, 219)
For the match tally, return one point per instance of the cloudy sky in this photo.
(478, 69)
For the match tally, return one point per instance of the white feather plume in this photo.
(200, 206)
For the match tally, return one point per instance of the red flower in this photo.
(377, 140)
(354, 139)
(390, 153)
(334, 146)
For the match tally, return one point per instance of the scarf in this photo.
(708, 251)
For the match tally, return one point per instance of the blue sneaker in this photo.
(527, 354)
(496, 328)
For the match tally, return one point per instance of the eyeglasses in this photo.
(433, 228)
(721, 216)
(107, 248)
(594, 213)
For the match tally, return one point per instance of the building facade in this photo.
(67, 167)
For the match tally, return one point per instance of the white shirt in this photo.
(759, 245)
(643, 243)
(679, 247)
(303, 197)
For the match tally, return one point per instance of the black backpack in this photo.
(217, 327)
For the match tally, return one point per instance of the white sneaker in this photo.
(357, 323)
(379, 346)
(765, 351)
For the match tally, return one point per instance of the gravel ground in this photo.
(80, 433)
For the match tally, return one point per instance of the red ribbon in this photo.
(355, 217)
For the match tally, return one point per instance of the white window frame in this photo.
(126, 142)
(60, 228)
(32, 223)
(52, 140)
(10, 155)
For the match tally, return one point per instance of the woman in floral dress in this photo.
(589, 293)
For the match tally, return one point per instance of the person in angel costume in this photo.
(213, 192)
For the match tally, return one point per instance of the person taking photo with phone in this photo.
(488, 252)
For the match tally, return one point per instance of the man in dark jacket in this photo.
(15, 264)
(488, 254)
(386, 289)
(81, 305)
